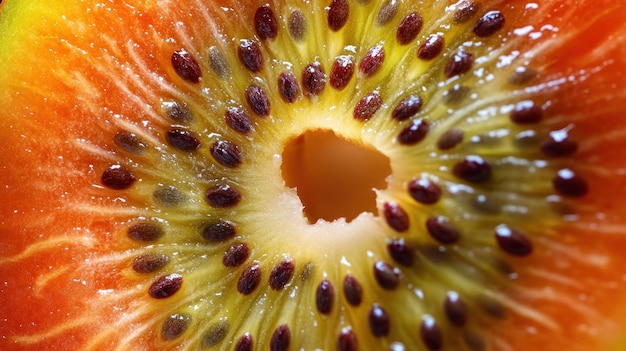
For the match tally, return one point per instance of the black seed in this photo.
(288, 87)
(238, 120)
(455, 309)
(166, 286)
(324, 297)
(347, 340)
(338, 14)
(387, 12)
(489, 23)
(265, 23)
(186, 66)
(215, 334)
(401, 252)
(570, 184)
(219, 231)
(341, 72)
(149, 263)
(226, 153)
(442, 230)
(245, 343)
(513, 241)
(313, 79)
(258, 101)
(424, 191)
(281, 338)
(407, 108)
(396, 217)
(130, 142)
(414, 132)
(409, 28)
(250, 55)
(474, 341)
(145, 231)
(297, 25)
(526, 112)
(117, 177)
(178, 112)
(431, 47)
(372, 61)
(249, 279)
(352, 290)
(182, 139)
(472, 169)
(387, 276)
(168, 196)
(367, 107)
(459, 63)
(175, 326)
(218, 63)
(455, 95)
(450, 139)
(465, 11)
(281, 274)
(522, 75)
(559, 144)
(431, 334)
(379, 322)
(236, 255)
(222, 196)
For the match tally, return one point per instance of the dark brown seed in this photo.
(387, 12)
(307, 271)
(379, 322)
(474, 341)
(175, 326)
(472, 169)
(409, 28)
(442, 230)
(245, 343)
(414, 132)
(338, 14)
(455, 95)
(236, 255)
(465, 11)
(313, 79)
(258, 101)
(401, 252)
(455, 309)
(219, 231)
(347, 340)
(324, 297)
(396, 217)
(387, 276)
(424, 191)
(282, 274)
(215, 334)
(407, 108)
(367, 107)
(226, 153)
(372, 61)
(431, 334)
(250, 55)
(513, 241)
(218, 63)
(526, 112)
(186, 66)
(489, 23)
(238, 120)
(182, 139)
(431, 47)
(145, 231)
(288, 87)
(130, 142)
(168, 196)
(117, 177)
(265, 23)
(297, 25)
(149, 263)
(459, 63)
(450, 139)
(570, 184)
(222, 196)
(249, 279)
(178, 112)
(341, 72)
(352, 290)
(166, 286)
(559, 144)
(522, 75)
(281, 338)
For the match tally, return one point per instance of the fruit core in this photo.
(334, 177)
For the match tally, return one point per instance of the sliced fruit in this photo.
(198, 175)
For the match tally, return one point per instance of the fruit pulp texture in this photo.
(75, 74)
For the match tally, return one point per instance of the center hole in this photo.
(334, 177)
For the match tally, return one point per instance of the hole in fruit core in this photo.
(334, 177)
